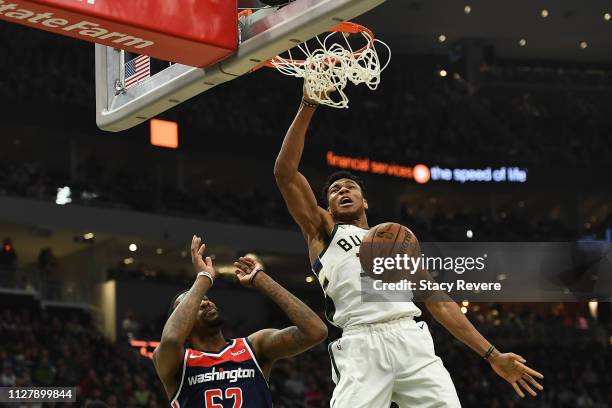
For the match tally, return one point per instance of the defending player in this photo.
(219, 373)
(383, 354)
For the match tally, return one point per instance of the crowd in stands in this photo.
(502, 226)
(47, 348)
(427, 118)
(60, 348)
(414, 116)
(226, 203)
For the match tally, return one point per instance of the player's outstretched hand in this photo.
(199, 263)
(246, 268)
(511, 367)
(310, 99)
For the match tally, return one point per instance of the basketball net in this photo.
(332, 65)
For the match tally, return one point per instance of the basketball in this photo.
(383, 242)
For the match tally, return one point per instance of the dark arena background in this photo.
(96, 226)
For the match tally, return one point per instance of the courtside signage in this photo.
(422, 173)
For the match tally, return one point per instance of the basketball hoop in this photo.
(333, 64)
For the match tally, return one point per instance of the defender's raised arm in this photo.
(168, 356)
(273, 344)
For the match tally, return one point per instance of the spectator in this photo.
(8, 256)
(7, 379)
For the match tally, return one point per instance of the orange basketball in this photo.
(385, 241)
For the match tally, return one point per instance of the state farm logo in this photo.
(61, 23)
(238, 352)
(88, 1)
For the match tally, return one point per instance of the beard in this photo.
(216, 322)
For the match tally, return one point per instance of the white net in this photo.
(333, 65)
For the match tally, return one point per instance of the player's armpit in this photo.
(302, 204)
(168, 359)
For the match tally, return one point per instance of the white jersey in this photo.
(340, 274)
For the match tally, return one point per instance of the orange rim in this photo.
(345, 27)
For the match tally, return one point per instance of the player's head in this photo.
(209, 320)
(344, 194)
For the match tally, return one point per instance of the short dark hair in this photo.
(171, 309)
(342, 174)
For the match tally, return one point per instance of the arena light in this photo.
(128, 261)
(421, 173)
(88, 236)
(441, 38)
(593, 308)
(463, 309)
(467, 9)
(522, 42)
(133, 247)
(309, 279)
(63, 196)
(469, 234)
(584, 45)
(607, 16)
(159, 251)
(465, 303)
(544, 13)
(443, 73)
(164, 133)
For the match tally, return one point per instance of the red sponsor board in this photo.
(191, 32)
(145, 347)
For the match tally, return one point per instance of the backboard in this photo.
(262, 35)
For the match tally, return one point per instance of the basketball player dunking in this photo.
(219, 373)
(383, 355)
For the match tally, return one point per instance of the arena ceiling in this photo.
(414, 27)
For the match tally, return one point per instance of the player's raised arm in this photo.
(168, 356)
(272, 344)
(294, 187)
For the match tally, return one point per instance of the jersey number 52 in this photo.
(215, 396)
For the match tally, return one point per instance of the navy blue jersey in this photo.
(231, 378)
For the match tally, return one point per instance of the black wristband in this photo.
(489, 352)
(254, 275)
(309, 104)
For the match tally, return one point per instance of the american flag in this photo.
(137, 70)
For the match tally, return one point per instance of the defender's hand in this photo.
(201, 264)
(511, 368)
(246, 268)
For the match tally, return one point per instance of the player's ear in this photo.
(365, 204)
